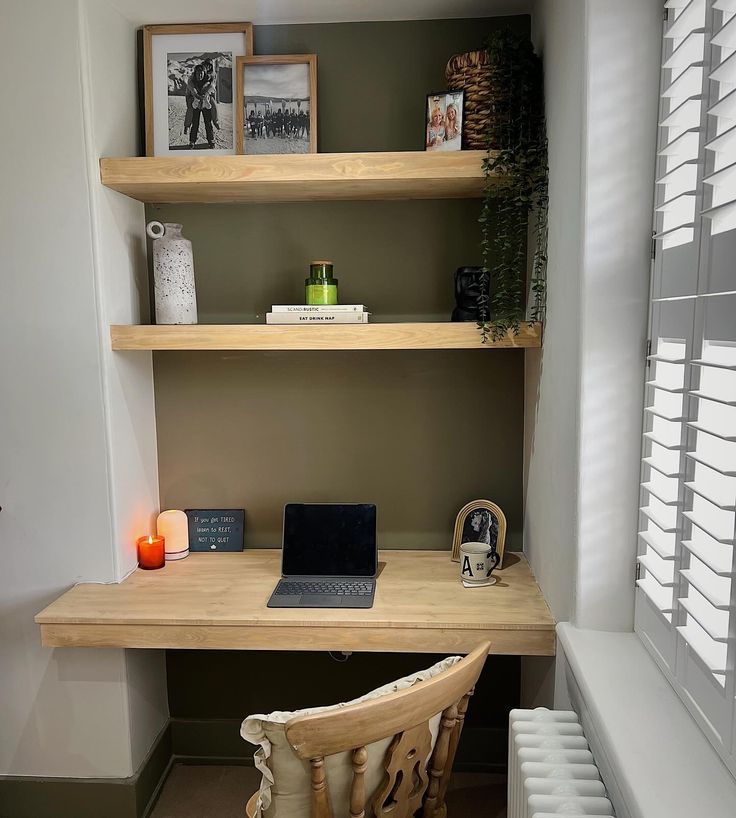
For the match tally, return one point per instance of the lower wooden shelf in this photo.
(439, 335)
(219, 601)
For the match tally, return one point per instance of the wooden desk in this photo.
(219, 601)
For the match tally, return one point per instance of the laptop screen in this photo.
(330, 539)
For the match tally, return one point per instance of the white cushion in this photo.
(286, 785)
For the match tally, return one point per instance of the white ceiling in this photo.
(262, 12)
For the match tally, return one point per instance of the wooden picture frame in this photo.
(241, 66)
(460, 525)
(149, 32)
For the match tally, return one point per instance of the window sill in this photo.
(654, 760)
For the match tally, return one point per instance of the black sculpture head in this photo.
(467, 290)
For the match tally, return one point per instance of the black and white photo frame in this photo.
(189, 86)
(480, 521)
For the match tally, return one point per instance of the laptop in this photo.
(329, 557)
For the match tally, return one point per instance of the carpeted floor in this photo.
(195, 791)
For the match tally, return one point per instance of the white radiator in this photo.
(551, 768)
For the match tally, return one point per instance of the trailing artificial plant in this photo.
(515, 199)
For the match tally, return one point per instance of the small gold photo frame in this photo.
(480, 521)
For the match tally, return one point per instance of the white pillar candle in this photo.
(174, 528)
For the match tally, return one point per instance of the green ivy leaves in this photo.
(517, 158)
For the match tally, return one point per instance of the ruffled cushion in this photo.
(285, 790)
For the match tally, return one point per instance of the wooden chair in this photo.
(411, 782)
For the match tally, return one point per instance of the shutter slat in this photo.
(698, 459)
(670, 204)
(725, 107)
(714, 364)
(661, 524)
(671, 389)
(667, 359)
(719, 562)
(689, 52)
(648, 487)
(672, 447)
(695, 425)
(691, 18)
(699, 523)
(729, 6)
(722, 217)
(703, 396)
(661, 598)
(684, 144)
(713, 660)
(725, 71)
(726, 36)
(724, 176)
(658, 467)
(691, 486)
(651, 566)
(704, 618)
(716, 600)
(658, 546)
(650, 410)
(724, 142)
(685, 115)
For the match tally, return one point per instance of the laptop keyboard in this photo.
(352, 588)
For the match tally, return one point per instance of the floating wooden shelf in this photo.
(218, 601)
(344, 336)
(297, 177)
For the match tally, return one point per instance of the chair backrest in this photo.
(411, 781)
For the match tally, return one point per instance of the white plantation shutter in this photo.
(686, 597)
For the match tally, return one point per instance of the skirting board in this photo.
(134, 797)
(187, 741)
(218, 741)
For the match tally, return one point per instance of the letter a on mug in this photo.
(466, 566)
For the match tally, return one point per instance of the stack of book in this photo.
(327, 314)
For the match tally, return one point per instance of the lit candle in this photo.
(151, 552)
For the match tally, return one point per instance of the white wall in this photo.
(111, 97)
(584, 389)
(65, 455)
(621, 97)
(552, 378)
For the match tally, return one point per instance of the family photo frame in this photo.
(189, 86)
(276, 109)
(444, 120)
(480, 521)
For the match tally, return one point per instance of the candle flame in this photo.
(150, 540)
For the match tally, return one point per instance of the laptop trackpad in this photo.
(320, 600)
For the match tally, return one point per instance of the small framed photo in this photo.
(444, 125)
(480, 521)
(189, 82)
(276, 104)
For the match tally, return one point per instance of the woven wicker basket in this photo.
(469, 72)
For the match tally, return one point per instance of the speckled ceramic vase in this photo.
(173, 275)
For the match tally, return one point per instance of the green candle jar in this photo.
(321, 287)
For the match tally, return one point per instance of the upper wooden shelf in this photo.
(444, 335)
(298, 177)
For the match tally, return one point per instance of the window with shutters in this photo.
(686, 595)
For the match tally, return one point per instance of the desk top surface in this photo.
(417, 592)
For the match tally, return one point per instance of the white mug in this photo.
(477, 561)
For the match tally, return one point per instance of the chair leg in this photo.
(432, 803)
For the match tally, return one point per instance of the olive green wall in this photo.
(418, 433)
(372, 78)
